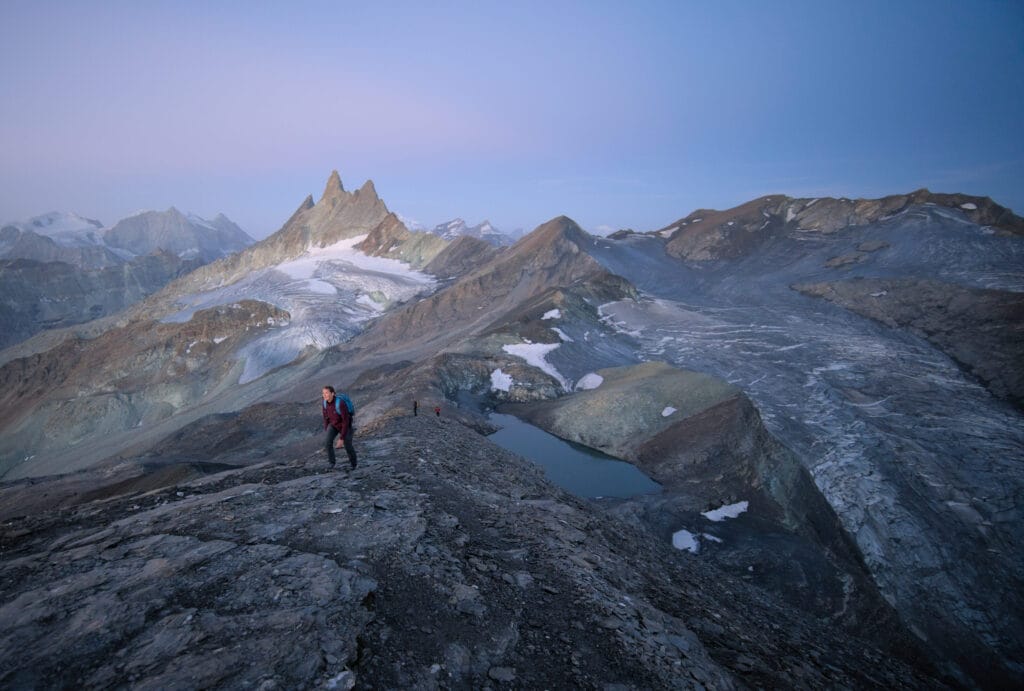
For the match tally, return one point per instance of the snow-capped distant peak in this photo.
(67, 229)
(411, 223)
(457, 227)
(200, 221)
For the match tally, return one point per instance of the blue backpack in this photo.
(338, 398)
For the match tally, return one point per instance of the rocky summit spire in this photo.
(367, 188)
(334, 188)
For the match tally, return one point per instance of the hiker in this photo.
(437, 410)
(415, 408)
(337, 423)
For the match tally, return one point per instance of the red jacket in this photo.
(339, 421)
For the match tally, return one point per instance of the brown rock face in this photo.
(393, 240)
(707, 235)
(464, 254)
(550, 256)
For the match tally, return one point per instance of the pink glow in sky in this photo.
(616, 114)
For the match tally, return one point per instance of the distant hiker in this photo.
(337, 421)
(437, 410)
(415, 408)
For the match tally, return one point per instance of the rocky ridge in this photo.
(442, 561)
(458, 228)
(59, 270)
(708, 235)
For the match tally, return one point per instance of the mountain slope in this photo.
(187, 236)
(917, 458)
(918, 462)
(706, 235)
(443, 561)
(61, 269)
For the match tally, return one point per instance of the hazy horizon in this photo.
(615, 116)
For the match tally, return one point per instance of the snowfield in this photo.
(500, 381)
(727, 511)
(330, 292)
(534, 354)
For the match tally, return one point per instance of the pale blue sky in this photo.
(616, 114)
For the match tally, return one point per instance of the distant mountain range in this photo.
(60, 269)
(457, 227)
(851, 372)
(85, 243)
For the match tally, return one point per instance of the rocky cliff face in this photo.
(704, 442)
(336, 216)
(463, 255)
(55, 294)
(441, 561)
(392, 239)
(75, 404)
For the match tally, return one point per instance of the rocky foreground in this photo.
(441, 562)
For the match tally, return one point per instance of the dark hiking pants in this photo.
(332, 434)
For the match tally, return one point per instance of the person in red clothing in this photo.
(337, 424)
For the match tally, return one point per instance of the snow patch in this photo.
(969, 206)
(561, 334)
(500, 381)
(684, 539)
(727, 511)
(534, 354)
(668, 411)
(315, 285)
(220, 339)
(553, 314)
(589, 381)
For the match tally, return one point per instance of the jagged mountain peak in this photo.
(333, 189)
(558, 229)
(368, 188)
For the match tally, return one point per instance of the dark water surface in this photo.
(578, 469)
